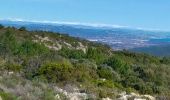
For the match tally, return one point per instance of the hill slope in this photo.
(36, 61)
(117, 37)
(160, 50)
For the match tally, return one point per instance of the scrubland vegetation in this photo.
(41, 60)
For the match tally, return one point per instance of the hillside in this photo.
(117, 37)
(160, 50)
(39, 65)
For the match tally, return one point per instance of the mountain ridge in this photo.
(94, 25)
(117, 38)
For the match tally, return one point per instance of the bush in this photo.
(105, 73)
(165, 60)
(13, 67)
(96, 54)
(69, 53)
(106, 83)
(1, 26)
(84, 72)
(7, 96)
(30, 48)
(22, 29)
(49, 95)
(118, 65)
(102, 94)
(56, 72)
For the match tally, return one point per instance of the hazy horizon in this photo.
(97, 25)
(143, 14)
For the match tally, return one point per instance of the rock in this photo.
(122, 94)
(106, 99)
(139, 99)
(81, 47)
(45, 40)
(123, 98)
(74, 95)
(134, 96)
(10, 73)
(74, 98)
(67, 44)
(103, 79)
(150, 97)
(57, 97)
(0, 98)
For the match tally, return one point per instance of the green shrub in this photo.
(106, 83)
(30, 48)
(1, 26)
(165, 60)
(7, 96)
(8, 43)
(96, 54)
(49, 95)
(22, 29)
(105, 73)
(13, 67)
(72, 53)
(102, 94)
(83, 72)
(119, 65)
(56, 72)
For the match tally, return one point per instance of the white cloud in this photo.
(68, 23)
(98, 25)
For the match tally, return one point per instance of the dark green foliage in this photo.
(69, 53)
(105, 73)
(49, 95)
(118, 65)
(84, 71)
(56, 72)
(7, 96)
(22, 29)
(30, 48)
(13, 67)
(165, 60)
(96, 54)
(1, 26)
(102, 94)
(8, 44)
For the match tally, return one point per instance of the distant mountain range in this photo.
(117, 37)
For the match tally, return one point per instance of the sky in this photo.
(146, 14)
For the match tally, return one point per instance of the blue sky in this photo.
(147, 14)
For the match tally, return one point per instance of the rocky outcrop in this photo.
(106, 99)
(81, 47)
(57, 45)
(53, 45)
(75, 95)
(134, 96)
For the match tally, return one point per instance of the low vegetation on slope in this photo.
(55, 59)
